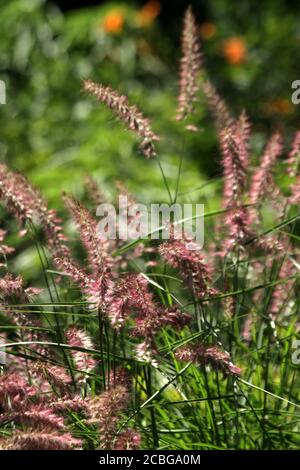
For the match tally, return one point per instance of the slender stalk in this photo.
(148, 379)
(60, 337)
(101, 347)
(164, 179)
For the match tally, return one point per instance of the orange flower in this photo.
(113, 22)
(279, 106)
(147, 14)
(207, 30)
(234, 50)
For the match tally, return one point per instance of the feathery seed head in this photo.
(208, 355)
(190, 65)
(130, 115)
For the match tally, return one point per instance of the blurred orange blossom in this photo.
(234, 50)
(113, 22)
(147, 14)
(279, 106)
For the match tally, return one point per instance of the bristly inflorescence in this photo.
(190, 66)
(234, 146)
(127, 296)
(234, 142)
(14, 292)
(41, 427)
(97, 247)
(293, 165)
(97, 278)
(16, 196)
(128, 440)
(190, 263)
(94, 289)
(41, 421)
(294, 156)
(25, 202)
(262, 181)
(32, 439)
(295, 192)
(217, 106)
(59, 386)
(93, 191)
(5, 250)
(208, 355)
(104, 411)
(131, 298)
(130, 115)
(78, 338)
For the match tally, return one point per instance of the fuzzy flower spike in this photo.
(130, 115)
(190, 65)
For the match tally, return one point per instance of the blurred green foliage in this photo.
(262, 82)
(56, 134)
(49, 128)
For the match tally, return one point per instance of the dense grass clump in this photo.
(149, 343)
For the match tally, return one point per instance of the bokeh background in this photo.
(56, 134)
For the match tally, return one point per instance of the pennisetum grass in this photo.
(150, 344)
